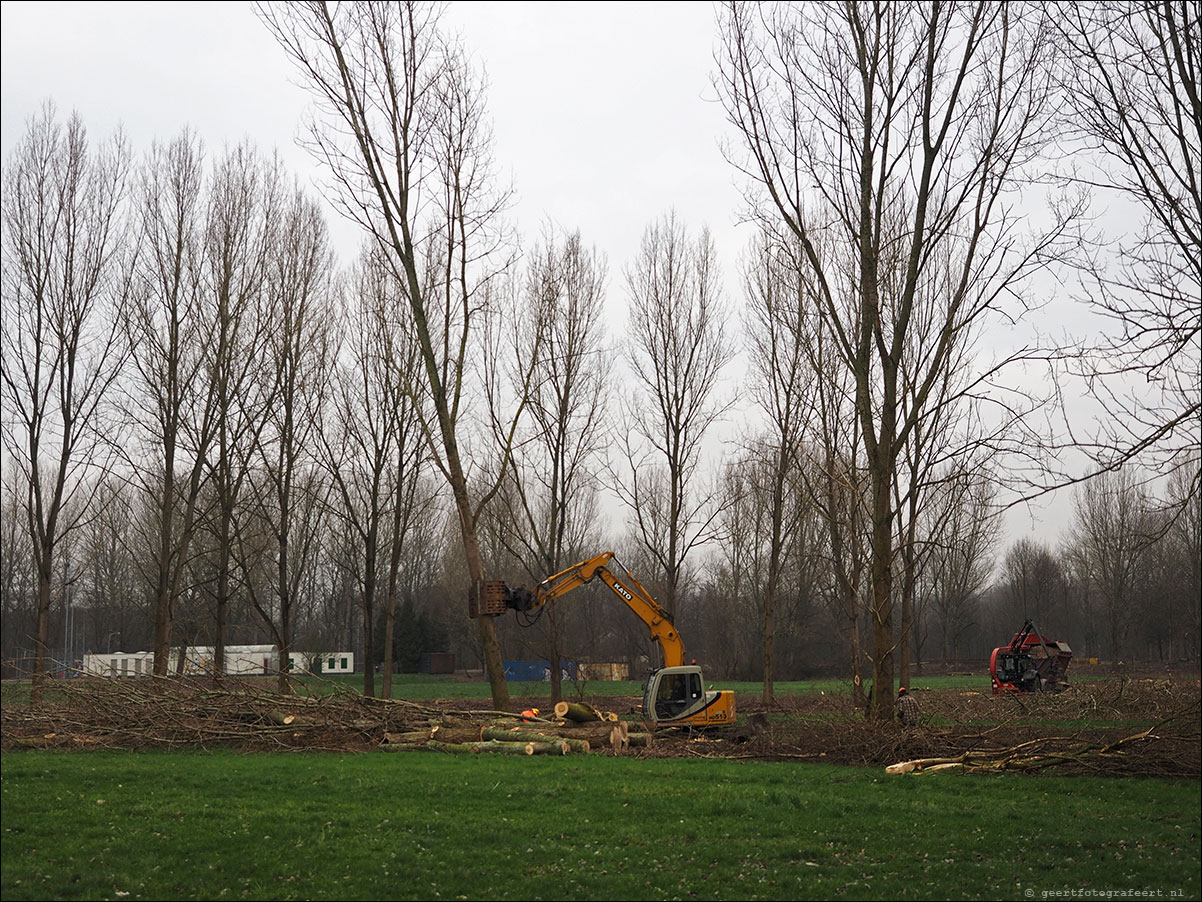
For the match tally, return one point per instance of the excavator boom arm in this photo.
(673, 694)
(629, 589)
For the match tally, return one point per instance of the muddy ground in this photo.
(1083, 725)
(1119, 726)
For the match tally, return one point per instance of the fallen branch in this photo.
(1046, 751)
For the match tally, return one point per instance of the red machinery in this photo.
(1030, 663)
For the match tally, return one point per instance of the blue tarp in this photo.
(536, 671)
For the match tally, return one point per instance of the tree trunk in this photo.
(489, 643)
(907, 605)
(163, 598)
(41, 640)
(223, 590)
(882, 600)
(368, 604)
(578, 712)
(556, 660)
(389, 630)
(774, 568)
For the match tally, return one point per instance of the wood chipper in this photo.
(1030, 663)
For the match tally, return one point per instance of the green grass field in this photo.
(419, 825)
(192, 824)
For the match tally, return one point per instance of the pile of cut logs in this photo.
(576, 728)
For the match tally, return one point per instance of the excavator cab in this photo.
(678, 695)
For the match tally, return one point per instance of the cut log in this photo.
(596, 733)
(619, 737)
(576, 711)
(548, 748)
(516, 734)
(502, 748)
(33, 742)
(641, 739)
(496, 748)
(279, 718)
(455, 734)
(925, 765)
(413, 736)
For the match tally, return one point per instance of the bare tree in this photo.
(829, 473)
(1109, 541)
(169, 402)
(1183, 541)
(767, 545)
(835, 480)
(962, 531)
(18, 579)
(111, 590)
(244, 206)
(65, 278)
(948, 441)
(414, 501)
(778, 325)
(1134, 92)
(806, 583)
(546, 516)
(404, 135)
(677, 349)
(737, 574)
(372, 447)
(289, 497)
(1035, 582)
(895, 132)
(419, 538)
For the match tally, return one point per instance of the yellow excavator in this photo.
(675, 694)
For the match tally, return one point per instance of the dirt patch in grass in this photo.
(1121, 726)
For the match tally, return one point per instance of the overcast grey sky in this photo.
(604, 114)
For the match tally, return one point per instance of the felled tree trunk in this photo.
(504, 734)
(502, 748)
(597, 733)
(455, 734)
(582, 713)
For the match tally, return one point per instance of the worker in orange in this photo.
(906, 708)
(530, 714)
